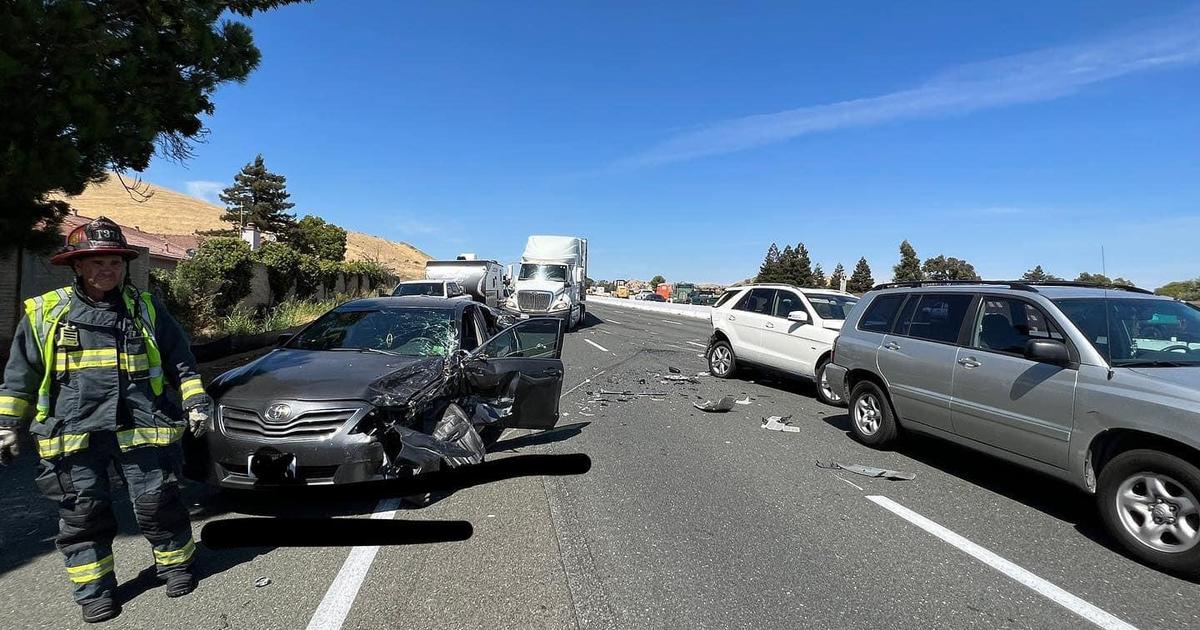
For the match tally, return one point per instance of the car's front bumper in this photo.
(836, 375)
(340, 460)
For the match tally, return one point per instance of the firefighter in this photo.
(91, 365)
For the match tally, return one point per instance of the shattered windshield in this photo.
(553, 273)
(831, 306)
(1138, 332)
(418, 332)
(419, 288)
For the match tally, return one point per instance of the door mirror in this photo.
(798, 316)
(1049, 351)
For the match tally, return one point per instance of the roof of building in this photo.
(164, 246)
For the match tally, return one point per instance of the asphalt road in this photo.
(686, 519)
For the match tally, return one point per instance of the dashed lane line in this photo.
(1042, 587)
(602, 348)
(339, 599)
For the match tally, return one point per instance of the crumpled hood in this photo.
(287, 374)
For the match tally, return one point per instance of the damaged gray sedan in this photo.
(383, 388)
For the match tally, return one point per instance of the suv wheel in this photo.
(721, 361)
(825, 393)
(872, 420)
(1150, 502)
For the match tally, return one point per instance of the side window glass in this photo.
(757, 301)
(786, 302)
(935, 317)
(879, 315)
(470, 334)
(725, 297)
(534, 338)
(1005, 325)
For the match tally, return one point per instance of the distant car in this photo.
(382, 388)
(654, 297)
(431, 288)
(702, 299)
(1063, 379)
(781, 327)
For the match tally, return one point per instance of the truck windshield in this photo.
(420, 288)
(1138, 332)
(553, 273)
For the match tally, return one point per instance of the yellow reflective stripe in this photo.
(64, 444)
(191, 387)
(84, 359)
(13, 406)
(158, 436)
(91, 571)
(183, 554)
(135, 362)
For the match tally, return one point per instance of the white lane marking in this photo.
(331, 614)
(1039, 585)
(671, 322)
(602, 348)
(698, 345)
(612, 321)
(848, 481)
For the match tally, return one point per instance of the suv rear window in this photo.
(880, 313)
(934, 317)
(757, 301)
(725, 297)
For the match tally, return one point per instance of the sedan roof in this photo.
(403, 302)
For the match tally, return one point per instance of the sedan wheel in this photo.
(1159, 512)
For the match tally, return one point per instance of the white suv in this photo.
(781, 327)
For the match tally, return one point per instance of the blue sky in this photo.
(683, 138)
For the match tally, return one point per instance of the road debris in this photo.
(725, 403)
(677, 378)
(605, 392)
(868, 471)
(261, 582)
(780, 423)
(673, 370)
(744, 401)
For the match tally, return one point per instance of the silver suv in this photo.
(1083, 383)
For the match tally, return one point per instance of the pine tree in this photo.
(769, 270)
(835, 278)
(861, 280)
(801, 273)
(909, 267)
(818, 277)
(787, 264)
(1037, 274)
(260, 197)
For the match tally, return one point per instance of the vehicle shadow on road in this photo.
(558, 434)
(589, 320)
(1053, 497)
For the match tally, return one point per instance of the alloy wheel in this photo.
(868, 414)
(720, 360)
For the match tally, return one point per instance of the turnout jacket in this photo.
(78, 366)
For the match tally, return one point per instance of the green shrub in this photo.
(210, 283)
(240, 321)
(282, 263)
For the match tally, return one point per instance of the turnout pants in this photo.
(79, 482)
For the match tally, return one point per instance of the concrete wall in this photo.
(685, 310)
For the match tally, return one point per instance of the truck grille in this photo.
(534, 300)
(312, 425)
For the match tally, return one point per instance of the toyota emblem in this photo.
(278, 414)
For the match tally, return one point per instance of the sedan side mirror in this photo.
(1049, 351)
(798, 316)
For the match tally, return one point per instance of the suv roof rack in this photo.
(1012, 284)
(1090, 285)
(1019, 285)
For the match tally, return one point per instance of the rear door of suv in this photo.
(918, 357)
(1005, 400)
(746, 322)
(793, 346)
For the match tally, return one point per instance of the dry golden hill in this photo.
(165, 211)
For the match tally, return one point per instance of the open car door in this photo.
(520, 372)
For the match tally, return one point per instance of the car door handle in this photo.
(551, 372)
(732, 318)
(969, 362)
(770, 325)
(891, 345)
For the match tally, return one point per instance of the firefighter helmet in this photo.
(100, 237)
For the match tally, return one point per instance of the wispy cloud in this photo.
(206, 190)
(1039, 75)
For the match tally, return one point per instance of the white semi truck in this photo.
(551, 278)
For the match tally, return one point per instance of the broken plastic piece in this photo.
(725, 403)
(678, 378)
(673, 370)
(868, 471)
(261, 582)
(744, 401)
(779, 423)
